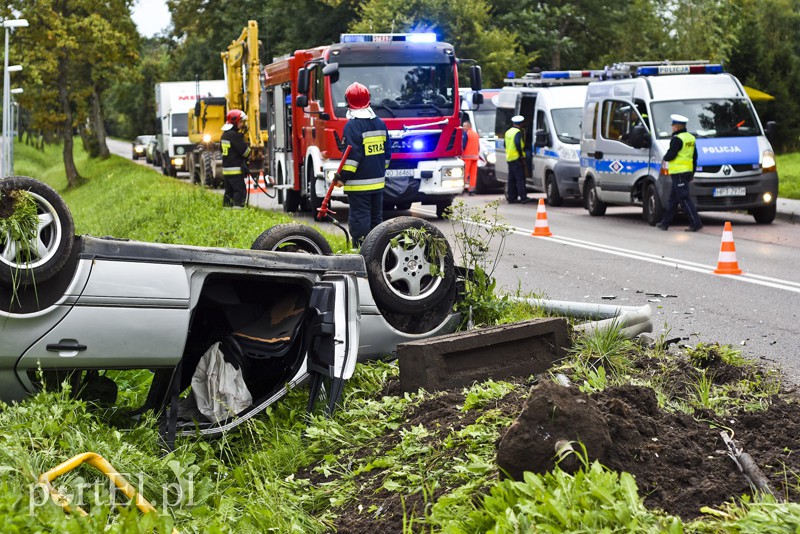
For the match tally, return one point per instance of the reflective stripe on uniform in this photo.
(374, 142)
(246, 152)
(348, 187)
(350, 165)
(231, 170)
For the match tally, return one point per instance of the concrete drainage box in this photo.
(500, 352)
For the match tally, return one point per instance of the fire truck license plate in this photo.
(729, 191)
(399, 172)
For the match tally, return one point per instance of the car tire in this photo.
(591, 201)
(652, 210)
(766, 214)
(554, 197)
(293, 237)
(441, 208)
(403, 206)
(400, 279)
(54, 239)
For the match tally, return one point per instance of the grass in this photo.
(789, 175)
(257, 478)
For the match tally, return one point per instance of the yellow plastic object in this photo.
(756, 95)
(102, 465)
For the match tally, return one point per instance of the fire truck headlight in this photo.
(206, 138)
(768, 161)
(491, 158)
(453, 172)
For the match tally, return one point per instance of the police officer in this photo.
(234, 158)
(682, 161)
(363, 173)
(515, 154)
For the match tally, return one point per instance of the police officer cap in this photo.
(678, 119)
(517, 119)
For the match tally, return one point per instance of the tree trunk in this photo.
(99, 126)
(73, 178)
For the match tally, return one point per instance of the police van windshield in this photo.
(400, 90)
(732, 117)
(567, 123)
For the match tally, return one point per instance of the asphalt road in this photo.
(619, 259)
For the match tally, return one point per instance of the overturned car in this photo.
(269, 318)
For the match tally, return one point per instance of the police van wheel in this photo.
(766, 214)
(408, 276)
(652, 210)
(293, 237)
(39, 256)
(551, 189)
(591, 201)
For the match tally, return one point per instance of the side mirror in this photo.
(331, 70)
(475, 78)
(301, 101)
(302, 81)
(772, 129)
(542, 138)
(639, 137)
(324, 116)
(477, 98)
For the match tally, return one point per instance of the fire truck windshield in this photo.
(400, 90)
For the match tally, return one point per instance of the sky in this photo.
(150, 16)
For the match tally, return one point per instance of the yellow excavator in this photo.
(242, 73)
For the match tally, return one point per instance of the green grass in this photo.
(789, 174)
(257, 477)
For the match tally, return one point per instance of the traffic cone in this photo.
(541, 229)
(727, 263)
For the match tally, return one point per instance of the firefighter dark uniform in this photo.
(363, 173)
(234, 160)
(515, 152)
(682, 160)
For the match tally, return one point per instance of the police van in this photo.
(626, 131)
(552, 104)
(482, 117)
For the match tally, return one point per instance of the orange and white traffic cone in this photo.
(542, 229)
(727, 263)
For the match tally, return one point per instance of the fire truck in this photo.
(413, 83)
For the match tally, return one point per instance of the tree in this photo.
(465, 24)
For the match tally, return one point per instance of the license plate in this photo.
(729, 191)
(391, 173)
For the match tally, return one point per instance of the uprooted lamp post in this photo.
(13, 127)
(6, 169)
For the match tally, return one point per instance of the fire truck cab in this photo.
(413, 83)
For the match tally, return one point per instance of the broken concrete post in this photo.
(456, 360)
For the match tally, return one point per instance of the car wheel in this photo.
(591, 201)
(766, 214)
(24, 262)
(551, 190)
(407, 278)
(293, 237)
(404, 206)
(652, 210)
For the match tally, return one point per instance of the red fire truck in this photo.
(413, 82)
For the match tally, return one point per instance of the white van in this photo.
(627, 130)
(482, 118)
(552, 104)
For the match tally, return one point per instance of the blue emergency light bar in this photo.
(661, 70)
(568, 74)
(387, 37)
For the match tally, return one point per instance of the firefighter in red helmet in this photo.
(363, 174)
(234, 158)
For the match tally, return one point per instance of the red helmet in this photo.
(235, 117)
(357, 96)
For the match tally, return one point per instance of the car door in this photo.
(334, 336)
(130, 315)
(541, 151)
(618, 163)
(507, 105)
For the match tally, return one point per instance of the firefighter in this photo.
(363, 173)
(471, 149)
(234, 158)
(515, 157)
